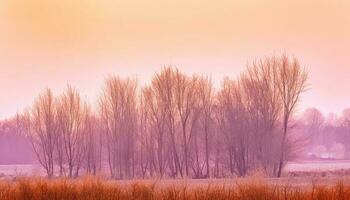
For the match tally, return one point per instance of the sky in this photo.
(48, 44)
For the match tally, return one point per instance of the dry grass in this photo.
(98, 189)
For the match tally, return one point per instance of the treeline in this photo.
(326, 133)
(14, 147)
(176, 126)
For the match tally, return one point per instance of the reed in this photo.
(99, 189)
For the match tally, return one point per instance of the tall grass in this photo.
(98, 189)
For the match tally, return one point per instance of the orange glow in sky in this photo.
(52, 43)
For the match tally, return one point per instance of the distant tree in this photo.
(314, 122)
(344, 127)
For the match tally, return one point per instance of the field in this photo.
(98, 189)
(302, 180)
(317, 165)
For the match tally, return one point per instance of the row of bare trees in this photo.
(254, 114)
(177, 126)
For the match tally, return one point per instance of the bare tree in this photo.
(235, 126)
(119, 119)
(291, 83)
(206, 96)
(43, 130)
(163, 88)
(263, 106)
(146, 141)
(185, 95)
(94, 143)
(154, 134)
(71, 115)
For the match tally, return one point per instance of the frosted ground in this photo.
(298, 166)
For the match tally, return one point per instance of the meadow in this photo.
(100, 189)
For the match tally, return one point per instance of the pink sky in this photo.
(52, 43)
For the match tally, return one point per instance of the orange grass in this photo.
(98, 189)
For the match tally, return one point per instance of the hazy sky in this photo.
(55, 42)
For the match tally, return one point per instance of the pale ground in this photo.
(313, 169)
(285, 181)
(309, 166)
